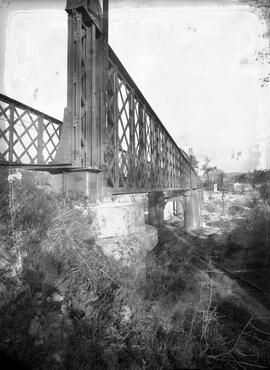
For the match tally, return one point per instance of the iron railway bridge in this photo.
(110, 135)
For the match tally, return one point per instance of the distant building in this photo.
(237, 187)
(246, 187)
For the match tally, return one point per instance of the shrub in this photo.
(236, 210)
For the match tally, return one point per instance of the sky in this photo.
(194, 65)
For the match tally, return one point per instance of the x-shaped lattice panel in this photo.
(139, 153)
(26, 135)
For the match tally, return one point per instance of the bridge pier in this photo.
(156, 205)
(122, 234)
(189, 201)
(191, 210)
(119, 227)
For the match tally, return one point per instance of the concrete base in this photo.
(117, 218)
(122, 234)
(131, 250)
(188, 201)
(192, 210)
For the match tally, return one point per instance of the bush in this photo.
(236, 210)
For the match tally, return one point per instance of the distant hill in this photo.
(230, 175)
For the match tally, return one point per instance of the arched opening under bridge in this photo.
(174, 212)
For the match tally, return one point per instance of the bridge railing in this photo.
(26, 135)
(139, 153)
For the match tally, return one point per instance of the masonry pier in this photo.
(191, 210)
(122, 233)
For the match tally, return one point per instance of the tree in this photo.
(209, 173)
(260, 176)
(265, 192)
(220, 179)
(193, 160)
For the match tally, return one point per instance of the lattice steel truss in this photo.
(111, 126)
(140, 154)
(26, 135)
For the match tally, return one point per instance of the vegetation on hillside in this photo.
(65, 305)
